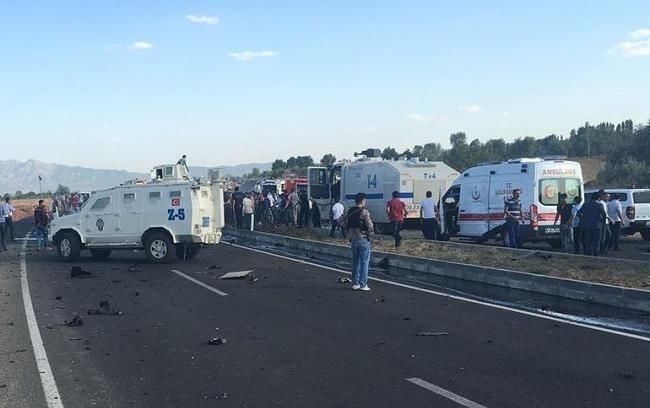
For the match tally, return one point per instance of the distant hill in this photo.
(23, 176)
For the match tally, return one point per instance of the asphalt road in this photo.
(295, 338)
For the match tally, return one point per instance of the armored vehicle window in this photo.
(100, 204)
(169, 171)
(174, 194)
(154, 195)
(129, 197)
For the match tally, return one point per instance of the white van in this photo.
(473, 206)
(636, 209)
(168, 215)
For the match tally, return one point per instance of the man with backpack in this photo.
(359, 226)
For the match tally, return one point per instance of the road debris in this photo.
(105, 309)
(252, 278)
(77, 272)
(217, 341)
(344, 279)
(625, 376)
(432, 334)
(214, 267)
(380, 300)
(135, 268)
(58, 297)
(235, 275)
(75, 322)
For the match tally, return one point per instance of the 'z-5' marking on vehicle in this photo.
(173, 214)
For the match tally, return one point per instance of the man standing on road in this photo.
(512, 212)
(578, 235)
(563, 213)
(615, 213)
(359, 226)
(592, 218)
(605, 232)
(237, 205)
(3, 227)
(303, 212)
(428, 215)
(337, 213)
(248, 209)
(396, 210)
(41, 220)
(9, 212)
(293, 209)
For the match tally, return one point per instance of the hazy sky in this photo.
(129, 84)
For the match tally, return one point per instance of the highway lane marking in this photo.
(457, 297)
(444, 393)
(52, 396)
(198, 282)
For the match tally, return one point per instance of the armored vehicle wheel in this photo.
(68, 246)
(158, 246)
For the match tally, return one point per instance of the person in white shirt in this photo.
(428, 217)
(3, 227)
(337, 213)
(248, 209)
(605, 232)
(8, 217)
(578, 231)
(615, 214)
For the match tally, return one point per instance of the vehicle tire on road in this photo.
(158, 247)
(100, 253)
(68, 246)
(645, 234)
(186, 252)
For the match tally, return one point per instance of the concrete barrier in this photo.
(633, 299)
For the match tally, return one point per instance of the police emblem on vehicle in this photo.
(100, 224)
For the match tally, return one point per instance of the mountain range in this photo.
(24, 176)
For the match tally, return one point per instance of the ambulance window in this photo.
(550, 190)
(100, 204)
(173, 194)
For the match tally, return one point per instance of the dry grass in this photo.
(25, 208)
(608, 271)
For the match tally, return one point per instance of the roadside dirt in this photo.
(605, 270)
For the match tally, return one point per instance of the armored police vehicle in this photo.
(378, 178)
(474, 206)
(166, 216)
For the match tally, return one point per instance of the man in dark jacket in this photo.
(592, 217)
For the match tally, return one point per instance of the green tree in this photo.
(255, 173)
(328, 159)
(62, 190)
(389, 153)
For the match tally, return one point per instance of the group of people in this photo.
(68, 203)
(41, 223)
(593, 227)
(247, 210)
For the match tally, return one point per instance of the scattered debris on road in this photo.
(344, 279)
(105, 309)
(214, 267)
(625, 376)
(75, 322)
(58, 297)
(135, 268)
(77, 272)
(217, 341)
(432, 334)
(380, 300)
(235, 275)
(407, 318)
(252, 278)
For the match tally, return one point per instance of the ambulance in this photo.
(378, 178)
(168, 215)
(474, 205)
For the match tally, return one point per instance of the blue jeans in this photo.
(514, 234)
(41, 234)
(360, 261)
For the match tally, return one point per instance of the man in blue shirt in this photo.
(592, 218)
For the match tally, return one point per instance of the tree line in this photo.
(625, 146)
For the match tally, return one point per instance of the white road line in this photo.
(444, 393)
(52, 397)
(198, 282)
(457, 297)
